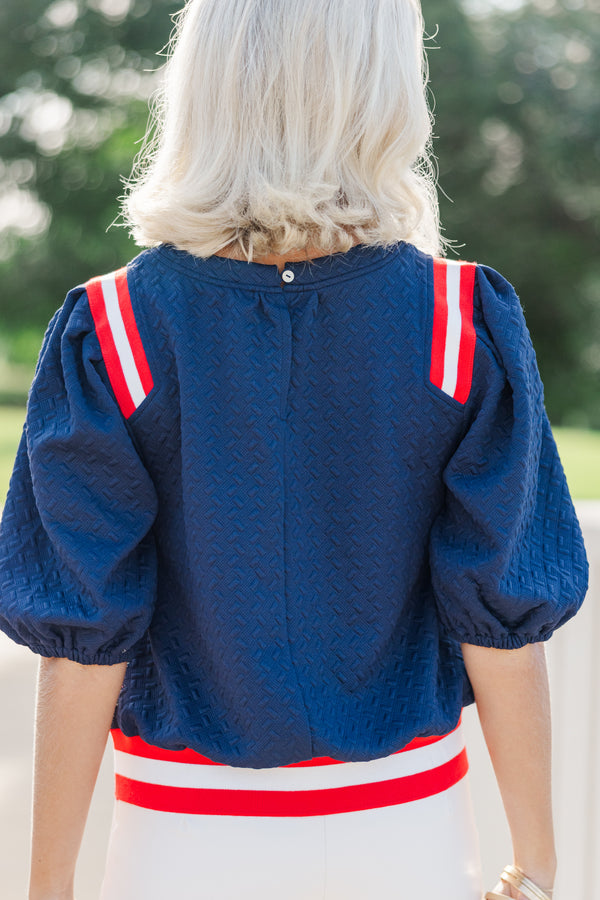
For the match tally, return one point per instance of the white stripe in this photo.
(454, 327)
(305, 778)
(117, 327)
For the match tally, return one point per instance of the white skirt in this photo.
(401, 826)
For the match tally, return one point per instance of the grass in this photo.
(579, 451)
(11, 424)
(580, 454)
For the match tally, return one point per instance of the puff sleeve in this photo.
(77, 553)
(508, 562)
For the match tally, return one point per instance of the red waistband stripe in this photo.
(119, 338)
(324, 801)
(187, 782)
(453, 336)
(138, 747)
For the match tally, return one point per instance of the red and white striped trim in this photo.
(120, 341)
(316, 787)
(453, 337)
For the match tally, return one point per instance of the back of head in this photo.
(283, 124)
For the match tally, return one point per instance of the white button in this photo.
(288, 276)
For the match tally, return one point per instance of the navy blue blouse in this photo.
(286, 499)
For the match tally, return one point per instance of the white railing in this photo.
(573, 655)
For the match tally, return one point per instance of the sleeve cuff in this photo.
(508, 641)
(83, 657)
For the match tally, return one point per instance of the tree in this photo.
(518, 143)
(518, 120)
(75, 83)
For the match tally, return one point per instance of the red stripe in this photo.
(440, 322)
(466, 351)
(215, 802)
(138, 747)
(108, 348)
(133, 335)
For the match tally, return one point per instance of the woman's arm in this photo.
(75, 706)
(513, 702)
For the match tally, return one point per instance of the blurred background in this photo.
(516, 91)
(515, 88)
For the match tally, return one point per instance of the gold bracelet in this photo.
(516, 877)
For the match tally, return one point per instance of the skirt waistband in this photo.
(186, 782)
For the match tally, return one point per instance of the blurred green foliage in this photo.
(517, 139)
(518, 125)
(579, 452)
(73, 85)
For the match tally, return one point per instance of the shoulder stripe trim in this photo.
(120, 340)
(453, 337)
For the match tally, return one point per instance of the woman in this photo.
(288, 499)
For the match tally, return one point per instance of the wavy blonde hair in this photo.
(286, 124)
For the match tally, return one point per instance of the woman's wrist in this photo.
(50, 896)
(51, 882)
(40, 893)
(541, 871)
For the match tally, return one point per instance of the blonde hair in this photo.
(286, 124)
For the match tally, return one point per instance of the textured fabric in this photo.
(293, 531)
(419, 850)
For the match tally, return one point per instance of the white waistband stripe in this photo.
(187, 775)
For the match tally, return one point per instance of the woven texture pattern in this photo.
(291, 535)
